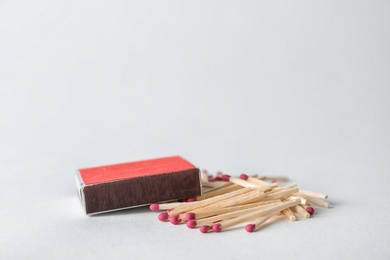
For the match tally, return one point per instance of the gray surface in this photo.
(297, 88)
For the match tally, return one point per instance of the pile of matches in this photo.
(229, 201)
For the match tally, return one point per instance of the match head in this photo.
(250, 227)
(192, 199)
(175, 220)
(211, 178)
(310, 210)
(204, 228)
(226, 177)
(191, 223)
(163, 216)
(244, 177)
(154, 207)
(217, 227)
(190, 215)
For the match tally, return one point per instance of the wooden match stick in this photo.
(261, 177)
(204, 176)
(257, 224)
(200, 222)
(289, 215)
(301, 211)
(314, 200)
(254, 214)
(218, 191)
(215, 184)
(238, 181)
(276, 189)
(212, 211)
(255, 181)
(281, 194)
(207, 189)
(278, 178)
(303, 200)
(314, 194)
(249, 197)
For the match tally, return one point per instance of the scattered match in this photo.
(248, 200)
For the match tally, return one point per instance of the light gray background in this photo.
(296, 88)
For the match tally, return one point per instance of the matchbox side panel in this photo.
(141, 190)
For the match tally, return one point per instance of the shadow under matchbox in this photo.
(119, 186)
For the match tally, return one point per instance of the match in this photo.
(301, 211)
(238, 181)
(255, 181)
(314, 200)
(289, 214)
(219, 191)
(257, 224)
(314, 194)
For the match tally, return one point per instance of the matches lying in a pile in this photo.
(229, 201)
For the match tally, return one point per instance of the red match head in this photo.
(244, 176)
(204, 228)
(310, 210)
(163, 216)
(175, 220)
(192, 199)
(154, 207)
(226, 177)
(250, 228)
(190, 215)
(217, 227)
(191, 223)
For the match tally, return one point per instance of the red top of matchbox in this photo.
(134, 169)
